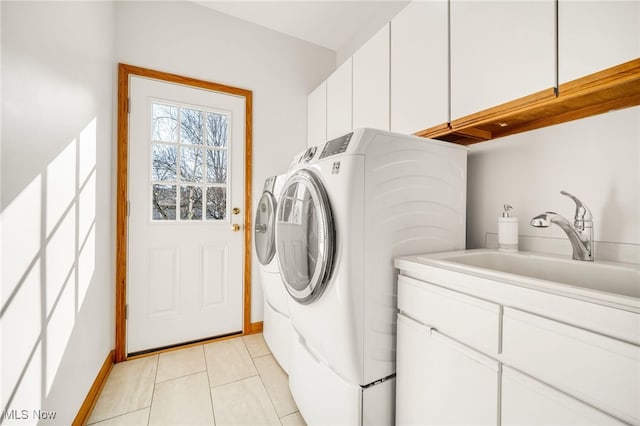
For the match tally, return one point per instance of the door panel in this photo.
(215, 275)
(164, 293)
(186, 173)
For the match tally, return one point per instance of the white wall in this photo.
(195, 41)
(597, 159)
(57, 303)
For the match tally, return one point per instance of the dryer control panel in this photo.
(309, 153)
(336, 146)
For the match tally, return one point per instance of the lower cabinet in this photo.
(539, 371)
(440, 381)
(596, 369)
(528, 401)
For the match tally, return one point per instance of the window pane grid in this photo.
(189, 164)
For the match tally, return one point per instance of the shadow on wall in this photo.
(48, 246)
(57, 100)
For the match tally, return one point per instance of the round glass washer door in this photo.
(264, 231)
(305, 237)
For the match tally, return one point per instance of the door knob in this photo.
(235, 227)
(235, 210)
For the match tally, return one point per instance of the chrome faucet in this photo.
(580, 233)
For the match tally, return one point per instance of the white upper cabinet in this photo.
(420, 66)
(500, 51)
(595, 35)
(340, 101)
(317, 115)
(371, 82)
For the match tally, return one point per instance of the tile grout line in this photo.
(262, 356)
(267, 391)
(206, 365)
(211, 388)
(153, 390)
(242, 378)
(206, 371)
(183, 376)
(113, 416)
(235, 381)
(262, 380)
(116, 416)
(296, 410)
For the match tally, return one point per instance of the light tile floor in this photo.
(232, 382)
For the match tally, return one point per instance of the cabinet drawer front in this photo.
(442, 382)
(467, 319)
(528, 401)
(599, 370)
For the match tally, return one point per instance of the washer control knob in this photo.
(309, 153)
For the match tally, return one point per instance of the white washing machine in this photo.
(347, 209)
(276, 323)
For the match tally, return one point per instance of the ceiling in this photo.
(331, 24)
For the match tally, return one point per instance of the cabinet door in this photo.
(339, 101)
(594, 35)
(597, 369)
(470, 320)
(371, 82)
(420, 66)
(317, 115)
(500, 51)
(440, 381)
(528, 401)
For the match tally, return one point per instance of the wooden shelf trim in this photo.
(614, 88)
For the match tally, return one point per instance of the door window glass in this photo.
(217, 166)
(189, 151)
(190, 202)
(164, 202)
(165, 123)
(216, 203)
(164, 162)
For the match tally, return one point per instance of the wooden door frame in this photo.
(124, 72)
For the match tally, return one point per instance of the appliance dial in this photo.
(309, 153)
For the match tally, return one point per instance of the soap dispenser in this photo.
(507, 231)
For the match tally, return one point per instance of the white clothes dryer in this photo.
(276, 324)
(347, 209)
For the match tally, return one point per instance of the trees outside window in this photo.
(189, 163)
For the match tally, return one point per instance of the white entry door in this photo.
(186, 190)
